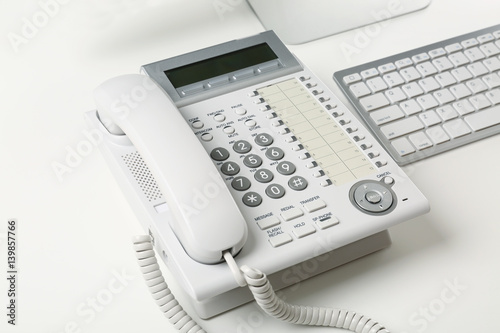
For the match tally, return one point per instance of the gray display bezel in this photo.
(287, 64)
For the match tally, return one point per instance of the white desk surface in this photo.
(74, 234)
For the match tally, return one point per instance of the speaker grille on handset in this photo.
(143, 176)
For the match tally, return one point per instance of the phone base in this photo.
(287, 277)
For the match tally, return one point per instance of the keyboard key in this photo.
(476, 86)
(386, 68)
(427, 102)
(359, 89)
(484, 119)
(453, 48)
(420, 140)
(489, 49)
(429, 84)
(445, 79)
(410, 107)
(404, 63)
(403, 146)
(460, 91)
(485, 38)
(420, 58)
(458, 59)
(474, 54)
(456, 128)
(493, 96)
(430, 118)
(437, 52)
(393, 79)
(479, 101)
(373, 102)
(395, 95)
(443, 96)
(447, 112)
(426, 69)
(376, 84)
(463, 107)
(437, 135)
(461, 74)
(366, 74)
(493, 64)
(352, 78)
(469, 43)
(412, 90)
(410, 74)
(492, 80)
(402, 127)
(442, 64)
(387, 114)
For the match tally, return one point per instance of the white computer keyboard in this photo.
(430, 99)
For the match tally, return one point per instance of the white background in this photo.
(75, 226)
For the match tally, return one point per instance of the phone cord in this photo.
(261, 289)
(305, 315)
(159, 289)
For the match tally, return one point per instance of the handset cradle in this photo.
(135, 105)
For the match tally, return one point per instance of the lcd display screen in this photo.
(223, 64)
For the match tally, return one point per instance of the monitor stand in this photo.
(300, 21)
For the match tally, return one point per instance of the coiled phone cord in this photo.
(261, 289)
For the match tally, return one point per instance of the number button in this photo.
(286, 168)
(230, 168)
(297, 183)
(263, 176)
(241, 183)
(242, 147)
(252, 199)
(264, 139)
(219, 154)
(275, 191)
(252, 161)
(274, 154)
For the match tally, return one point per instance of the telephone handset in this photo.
(178, 163)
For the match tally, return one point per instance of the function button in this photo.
(327, 222)
(198, 124)
(373, 197)
(304, 78)
(381, 163)
(219, 117)
(252, 199)
(230, 168)
(311, 85)
(240, 111)
(207, 137)
(264, 139)
(277, 123)
(304, 230)
(241, 183)
(268, 222)
(263, 176)
(297, 147)
(242, 147)
(293, 138)
(250, 123)
(280, 239)
(275, 153)
(252, 93)
(228, 130)
(388, 180)
(259, 101)
(271, 115)
(311, 165)
(297, 183)
(286, 168)
(319, 173)
(326, 183)
(265, 108)
(219, 154)
(275, 191)
(252, 161)
(314, 205)
(291, 214)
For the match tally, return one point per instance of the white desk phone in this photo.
(239, 153)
